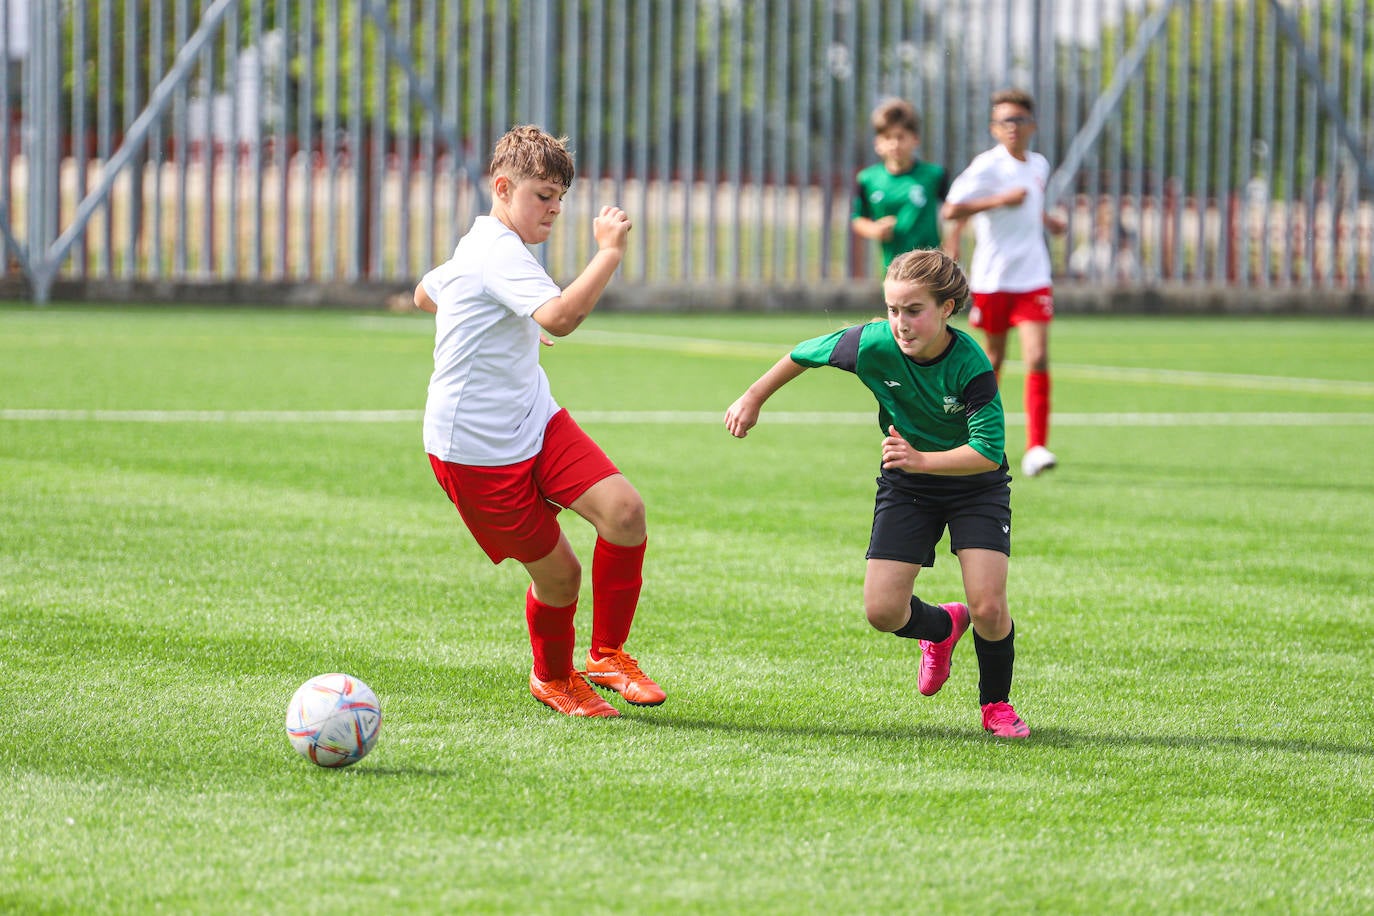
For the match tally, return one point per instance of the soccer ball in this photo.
(333, 720)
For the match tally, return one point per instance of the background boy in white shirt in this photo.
(504, 451)
(1003, 191)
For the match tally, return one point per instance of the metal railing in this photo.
(1195, 143)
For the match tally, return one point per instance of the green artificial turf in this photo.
(188, 532)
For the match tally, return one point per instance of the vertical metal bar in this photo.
(399, 20)
(255, 157)
(802, 69)
(663, 168)
(281, 139)
(1331, 173)
(687, 131)
(7, 252)
(641, 79)
(1307, 166)
(710, 165)
(825, 108)
(232, 148)
(105, 130)
(180, 141)
(1289, 91)
(1115, 155)
(501, 119)
(131, 105)
(377, 161)
(779, 105)
(305, 142)
(208, 259)
(1137, 165)
(477, 68)
(415, 260)
(1224, 18)
(619, 79)
(1182, 118)
(80, 130)
(1202, 156)
(360, 150)
(571, 239)
(1354, 256)
(848, 128)
(330, 265)
(734, 141)
(758, 72)
(1245, 148)
(1269, 150)
(1159, 118)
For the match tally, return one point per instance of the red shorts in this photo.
(995, 312)
(512, 510)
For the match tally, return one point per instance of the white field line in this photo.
(1182, 377)
(674, 417)
(706, 346)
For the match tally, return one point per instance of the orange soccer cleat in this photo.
(621, 673)
(572, 696)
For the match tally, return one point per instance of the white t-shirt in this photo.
(1009, 253)
(489, 398)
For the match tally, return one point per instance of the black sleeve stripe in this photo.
(846, 353)
(979, 392)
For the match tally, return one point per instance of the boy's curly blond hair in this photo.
(934, 270)
(526, 152)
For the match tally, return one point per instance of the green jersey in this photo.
(913, 197)
(948, 402)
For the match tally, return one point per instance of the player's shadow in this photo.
(1040, 736)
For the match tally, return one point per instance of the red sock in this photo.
(1037, 408)
(617, 574)
(552, 636)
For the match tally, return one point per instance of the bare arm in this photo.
(959, 461)
(422, 300)
(877, 230)
(744, 413)
(954, 238)
(561, 315)
(1012, 197)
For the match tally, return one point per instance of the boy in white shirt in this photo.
(504, 451)
(1003, 190)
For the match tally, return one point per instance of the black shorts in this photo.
(908, 524)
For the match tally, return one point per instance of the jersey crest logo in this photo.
(952, 404)
(891, 384)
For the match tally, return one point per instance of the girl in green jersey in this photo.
(943, 466)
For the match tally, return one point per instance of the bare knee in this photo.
(557, 577)
(885, 615)
(991, 617)
(623, 521)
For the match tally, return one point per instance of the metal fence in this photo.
(1195, 143)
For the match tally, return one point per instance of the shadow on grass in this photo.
(1040, 737)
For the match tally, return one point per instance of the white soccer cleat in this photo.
(1037, 460)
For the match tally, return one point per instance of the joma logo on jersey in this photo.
(952, 404)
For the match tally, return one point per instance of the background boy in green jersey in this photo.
(943, 465)
(897, 201)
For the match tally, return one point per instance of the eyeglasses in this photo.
(1018, 121)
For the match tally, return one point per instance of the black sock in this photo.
(994, 667)
(927, 621)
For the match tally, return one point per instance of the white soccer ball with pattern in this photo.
(333, 720)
